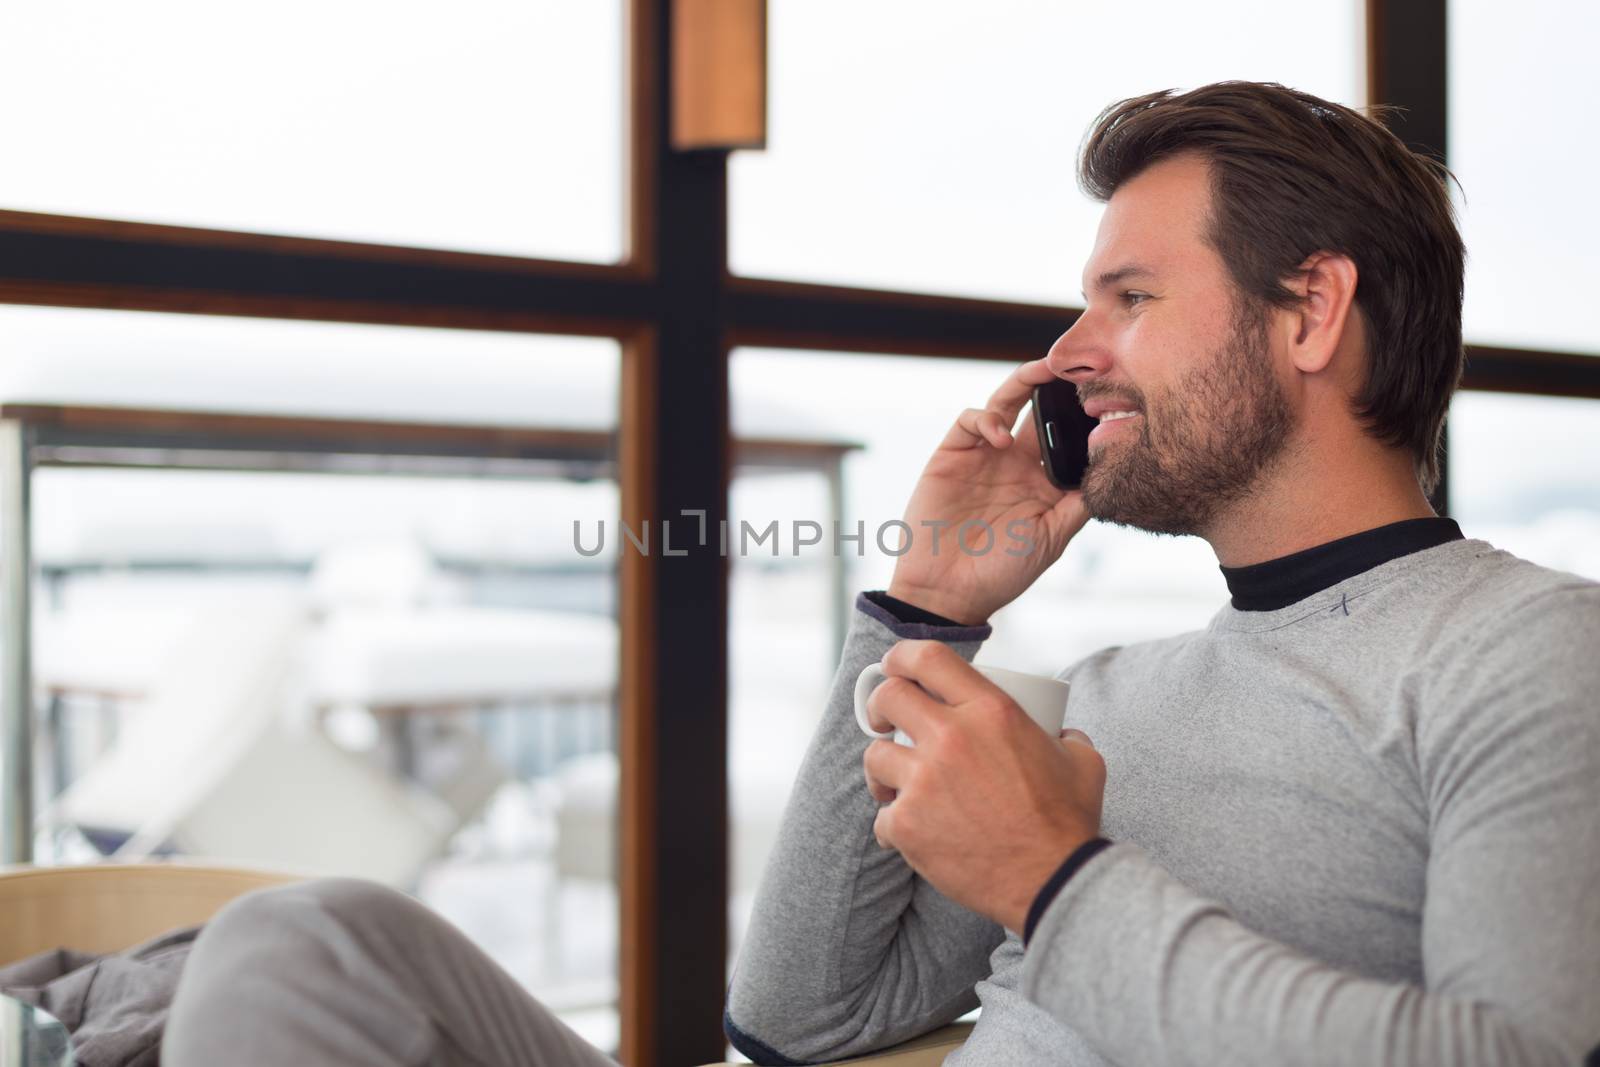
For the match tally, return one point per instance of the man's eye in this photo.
(1132, 299)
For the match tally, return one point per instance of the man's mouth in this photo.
(1109, 422)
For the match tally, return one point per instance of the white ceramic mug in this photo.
(1044, 699)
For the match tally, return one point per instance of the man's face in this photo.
(1163, 335)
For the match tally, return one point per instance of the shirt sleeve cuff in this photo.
(1080, 855)
(909, 622)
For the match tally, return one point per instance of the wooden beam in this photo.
(676, 455)
(836, 318)
(719, 74)
(322, 247)
(639, 704)
(153, 270)
(1407, 55)
(1515, 370)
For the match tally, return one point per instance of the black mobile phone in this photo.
(1063, 430)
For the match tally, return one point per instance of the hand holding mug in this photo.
(987, 802)
(1044, 699)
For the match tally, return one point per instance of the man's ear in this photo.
(1326, 283)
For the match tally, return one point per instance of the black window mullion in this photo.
(1406, 67)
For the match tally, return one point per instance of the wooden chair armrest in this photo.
(929, 1050)
(109, 907)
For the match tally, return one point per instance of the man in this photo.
(1356, 820)
(1351, 822)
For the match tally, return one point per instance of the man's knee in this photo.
(308, 962)
(303, 910)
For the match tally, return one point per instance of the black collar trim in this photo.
(1277, 583)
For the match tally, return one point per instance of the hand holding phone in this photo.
(986, 517)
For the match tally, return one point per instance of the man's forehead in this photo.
(1154, 223)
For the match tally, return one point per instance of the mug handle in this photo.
(864, 686)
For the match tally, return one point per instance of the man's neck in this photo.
(1296, 509)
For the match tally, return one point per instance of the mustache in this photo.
(1134, 400)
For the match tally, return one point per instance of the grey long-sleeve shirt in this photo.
(1361, 829)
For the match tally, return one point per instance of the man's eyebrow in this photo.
(1112, 277)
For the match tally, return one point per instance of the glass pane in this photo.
(1519, 99)
(929, 144)
(496, 129)
(1525, 476)
(282, 367)
(1112, 586)
(404, 674)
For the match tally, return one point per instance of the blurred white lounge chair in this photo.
(212, 766)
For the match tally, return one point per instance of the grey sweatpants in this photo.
(339, 971)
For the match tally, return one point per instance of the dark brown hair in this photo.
(1291, 175)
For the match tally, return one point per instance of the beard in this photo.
(1201, 445)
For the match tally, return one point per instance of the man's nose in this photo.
(1078, 355)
